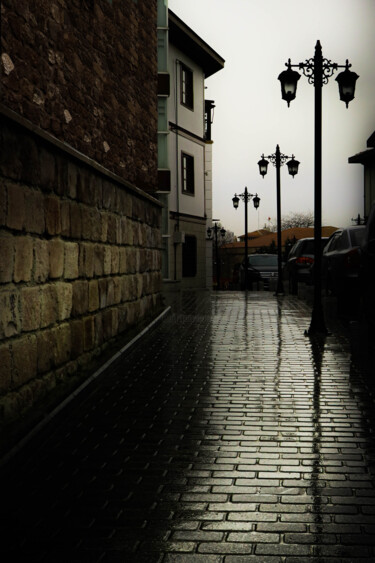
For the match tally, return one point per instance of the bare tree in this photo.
(292, 221)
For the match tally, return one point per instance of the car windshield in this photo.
(357, 236)
(263, 260)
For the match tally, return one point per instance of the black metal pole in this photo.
(280, 287)
(317, 318)
(217, 258)
(246, 198)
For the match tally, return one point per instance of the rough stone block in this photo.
(80, 297)
(6, 257)
(122, 260)
(56, 249)
(64, 294)
(93, 295)
(25, 354)
(16, 207)
(115, 260)
(65, 218)
(34, 218)
(76, 338)
(41, 260)
(86, 260)
(71, 261)
(52, 215)
(5, 368)
(75, 221)
(23, 259)
(107, 263)
(99, 259)
(46, 350)
(89, 333)
(63, 344)
(48, 305)
(10, 321)
(30, 308)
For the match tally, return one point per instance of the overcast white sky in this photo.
(256, 38)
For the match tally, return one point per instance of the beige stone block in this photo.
(41, 260)
(23, 259)
(6, 257)
(115, 260)
(76, 338)
(46, 350)
(56, 251)
(25, 354)
(16, 207)
(52, 215)
(64, 294)
(5, 368)
(99, 259)
(117, 290)
(80, 297)
(93, 295)
(30, 308)
(89, 333)
(34, 217)
(10, 320)
(71, 261)
(63, 347)
(86, 260)
(122, 260)
(48, 305)
(107, 265)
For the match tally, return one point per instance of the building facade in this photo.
(367, 159)
(185, 153)
(80, 243)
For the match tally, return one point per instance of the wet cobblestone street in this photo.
(224, 435)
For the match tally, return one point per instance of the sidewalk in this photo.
(223, 435)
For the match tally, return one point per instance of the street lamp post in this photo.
(216, 230)
(246, 197)
(318, 71)
(278, 159)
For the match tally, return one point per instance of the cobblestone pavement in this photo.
(223, 435)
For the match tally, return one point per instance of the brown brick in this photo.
(99, 259)
(89, 333)
(23, 259)
(6, 257)
(56, 250)
(71, 261)
(5, 368)
(64, 294)
(122, 260)
(34, 220)
(107, 261)
(30, 308)
(46, 350)
(77, 338)
(16, 207)
(93, 295)
(75, 221)
(52, 215)
(65, 218)
(80, 297)
(41, 260)
(115, 260)
(10, 321)
(63, 340)
(25, 353)
(48, 305)
(86, 260)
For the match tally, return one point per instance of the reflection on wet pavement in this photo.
(224, 435)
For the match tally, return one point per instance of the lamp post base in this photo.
(279, 288)
(317, 325)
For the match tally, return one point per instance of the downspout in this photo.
(177, 224)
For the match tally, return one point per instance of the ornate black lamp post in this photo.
(318, 71)
(278, 159)
(216, 230)
(246, 197)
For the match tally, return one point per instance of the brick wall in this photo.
(79, 262)
(86, 71)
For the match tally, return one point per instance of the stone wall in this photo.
(86, 72)
(80, 262)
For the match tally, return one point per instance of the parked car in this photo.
(341, 262)
(367, 272)
(299, 263)
(260, 267)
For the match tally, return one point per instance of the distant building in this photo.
(367, 158)
(185, 151)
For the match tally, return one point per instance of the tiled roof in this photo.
(296, 232)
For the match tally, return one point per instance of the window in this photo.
(187, 97)
(187, 171)
(189, 257)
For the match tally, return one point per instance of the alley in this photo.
(223, 435)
